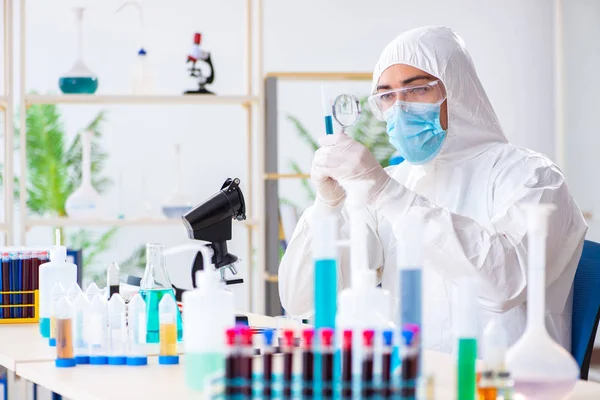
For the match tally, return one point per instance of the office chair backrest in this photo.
(586, 306)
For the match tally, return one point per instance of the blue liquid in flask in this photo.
(152, 298)
(78, 84)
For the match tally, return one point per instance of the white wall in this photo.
(510, 41)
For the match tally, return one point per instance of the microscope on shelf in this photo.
(211, 222)
(196, 55)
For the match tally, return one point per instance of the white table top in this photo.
(90, 382)
(23, 343)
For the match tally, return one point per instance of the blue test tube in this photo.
(14, 284)
(327, 111)
(6, 299)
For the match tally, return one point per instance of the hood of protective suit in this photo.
(472, 123)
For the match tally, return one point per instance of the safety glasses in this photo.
(430, 93)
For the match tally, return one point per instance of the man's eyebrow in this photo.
(406, 82)
(416, 78)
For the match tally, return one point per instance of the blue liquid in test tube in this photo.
(327, 111)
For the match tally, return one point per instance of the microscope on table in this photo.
(211, 221)
(200, 55)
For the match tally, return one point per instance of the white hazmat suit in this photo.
(469, 196)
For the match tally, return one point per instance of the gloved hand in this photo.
(342, 158)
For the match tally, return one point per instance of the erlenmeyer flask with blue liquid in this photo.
(154, 286)
(79, 79)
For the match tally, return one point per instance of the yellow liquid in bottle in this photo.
(168, 339)
(52, 328)
(64, 338)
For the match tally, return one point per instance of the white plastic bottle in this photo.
(142, 74)
(56, 270)
(208, 312)
(362, 306)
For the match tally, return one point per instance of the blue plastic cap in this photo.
(65, 362)
(388, 335)
(268, 334)
(135, 361)
(52, 342)
(119, 360)
(408, 337)
(142, 52)
(82, 359)
(98, 360)
(168, 360)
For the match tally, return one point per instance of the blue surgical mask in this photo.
(414, 130)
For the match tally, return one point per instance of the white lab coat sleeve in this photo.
(456, 246)
(296, 270)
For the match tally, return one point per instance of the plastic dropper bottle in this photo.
(362, 306)
(73, 291)
(57, 294)
(467, 338)
(209, 312)
(540, 367)
(117, 331)
(81, 309)
(112, 279)
(57, 270)
(64, 334)
(137, 331)
(92, 290)
(98, 329)
(167, 313)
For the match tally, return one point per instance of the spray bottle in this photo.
(57, 270)
(540, 367)
(363, 306)
(209, 311)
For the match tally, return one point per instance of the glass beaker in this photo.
(78, 79)
(154, 286)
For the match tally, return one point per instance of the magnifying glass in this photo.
(346, 110)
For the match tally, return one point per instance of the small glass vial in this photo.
(98, 327)
(63, 320)
(57, 293)
(137, 331)
(112, 279)
(505, 386)
(167, 312)
(81, 309)
(486, 389)
(117, 331)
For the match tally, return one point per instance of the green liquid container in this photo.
(154, 286)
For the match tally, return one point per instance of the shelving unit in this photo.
(248, 100)
(7, 105)
(140, 99)
(270, 175)
(32, 222)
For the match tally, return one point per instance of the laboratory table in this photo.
(23, 343)
(159, 381)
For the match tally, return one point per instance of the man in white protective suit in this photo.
(466, 182)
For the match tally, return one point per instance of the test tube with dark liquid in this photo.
(112, 279)
(288, 362)
(347, 365)
(231, 364)
(268, 364)
(386, 365)
(247, 353)
(367, 365)
(327, 363)
(308, 362)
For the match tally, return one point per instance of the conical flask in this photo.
(78, 79)
(156, 284)
(540, 367)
